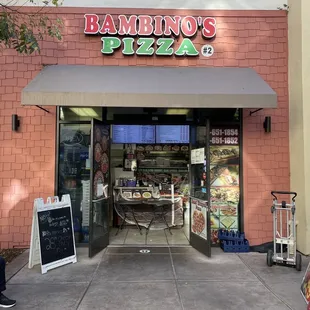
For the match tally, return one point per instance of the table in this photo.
(159, 208)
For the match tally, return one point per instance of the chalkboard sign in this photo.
(56, 239)
(52, 236)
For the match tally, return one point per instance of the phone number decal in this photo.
(224, 136)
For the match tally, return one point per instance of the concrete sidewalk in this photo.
(165, 279)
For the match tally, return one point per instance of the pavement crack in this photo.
(175, 279)
(92, 278)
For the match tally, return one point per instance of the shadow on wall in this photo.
(17, 210)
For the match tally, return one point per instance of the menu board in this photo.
(133, 134)
(224, 179)
(56, 235)
(172, 134)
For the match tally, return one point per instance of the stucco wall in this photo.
(253, 39)
(299, 48)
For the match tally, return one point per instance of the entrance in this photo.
(157, 180)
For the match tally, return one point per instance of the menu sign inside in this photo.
(172, 134)
(142, 134)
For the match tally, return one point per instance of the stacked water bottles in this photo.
(233, 241)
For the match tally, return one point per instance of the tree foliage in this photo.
(24, 31)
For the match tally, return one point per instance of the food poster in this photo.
(224, 209)
(224, 175)
(199, 218)
(305, 286)
(224, 155)
(224, 180)
(101, 159)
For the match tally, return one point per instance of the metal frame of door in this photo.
(200, 244)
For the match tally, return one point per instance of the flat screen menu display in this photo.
(172, 134)
(141, 134)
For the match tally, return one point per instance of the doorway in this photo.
(193, 221)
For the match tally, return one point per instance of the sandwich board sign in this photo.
(52, 236)
(305, 286)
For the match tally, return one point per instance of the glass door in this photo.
(200, 230)
(100, 197)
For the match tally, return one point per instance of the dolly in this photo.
(284, 232)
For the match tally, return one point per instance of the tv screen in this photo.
(142, 134)
(172, 134)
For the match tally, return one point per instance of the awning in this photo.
(131, 86)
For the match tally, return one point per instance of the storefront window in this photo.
(74, 172)
(80, 113)
(224, 178)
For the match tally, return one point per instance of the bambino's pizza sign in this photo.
(151, 35)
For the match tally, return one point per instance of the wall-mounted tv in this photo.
(142, 134)
(172, 134)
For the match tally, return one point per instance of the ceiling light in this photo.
(177, 111)
(84, 112)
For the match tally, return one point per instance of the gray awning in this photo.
(114, 86)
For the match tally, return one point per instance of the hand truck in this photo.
(284, 232)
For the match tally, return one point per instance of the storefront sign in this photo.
(146, 28)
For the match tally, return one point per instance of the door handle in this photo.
(99, 200)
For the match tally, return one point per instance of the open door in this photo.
(99, 187)
(200, 228)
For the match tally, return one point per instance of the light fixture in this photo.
(267, 124)
(177, 111)
(84, 112)
(15, 122)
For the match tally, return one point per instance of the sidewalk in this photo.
(165, 279)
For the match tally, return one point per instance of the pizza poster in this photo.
(101, 159)
(305, 286)
(199, 218)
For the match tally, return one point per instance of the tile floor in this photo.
(131, 236)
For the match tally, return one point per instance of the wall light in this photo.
(267, 124)
(15, 122)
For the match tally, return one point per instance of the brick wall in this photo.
(256, 39)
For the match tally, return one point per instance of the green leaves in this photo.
(23, 31)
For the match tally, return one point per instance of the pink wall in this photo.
(256, 39)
